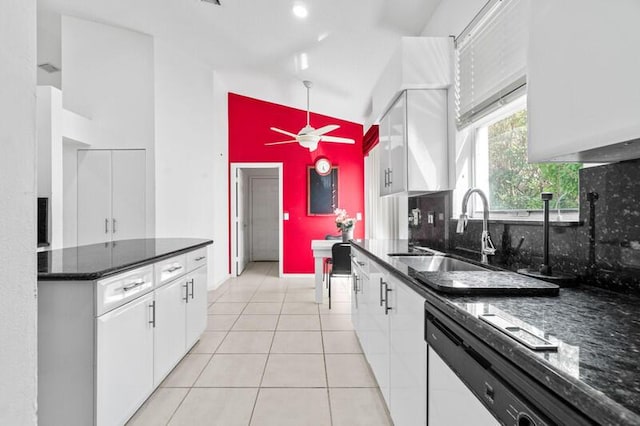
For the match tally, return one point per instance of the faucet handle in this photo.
(487, 244)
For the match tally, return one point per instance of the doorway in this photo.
(256, 214)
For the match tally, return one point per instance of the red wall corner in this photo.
(249, 129)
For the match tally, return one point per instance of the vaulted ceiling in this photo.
(262, 49)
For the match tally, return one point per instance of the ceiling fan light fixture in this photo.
(300, 10)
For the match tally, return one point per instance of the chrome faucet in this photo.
(488, 249)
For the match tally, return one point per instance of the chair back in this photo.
(332, 237)
(341, 259)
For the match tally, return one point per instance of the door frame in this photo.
(233, 217)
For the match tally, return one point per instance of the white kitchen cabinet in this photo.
(181, 308)
(111, 195)
(407, 357)
(450, 401)
(124, 346)
(196, 305)
(104, 345)
(413, 144)
(375, 331)
(393, 341)
(582, 80)
(169, 346)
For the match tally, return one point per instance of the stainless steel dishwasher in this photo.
(500, 388)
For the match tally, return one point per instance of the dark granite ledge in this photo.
(598, 332)
(528, 222)
(91, 262)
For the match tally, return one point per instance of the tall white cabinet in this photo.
(111, 195)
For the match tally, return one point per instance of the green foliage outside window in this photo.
(515, 184)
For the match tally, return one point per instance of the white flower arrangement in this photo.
(343, 221)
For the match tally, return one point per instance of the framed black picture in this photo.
(322, 192)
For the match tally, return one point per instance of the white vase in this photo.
(347, 234)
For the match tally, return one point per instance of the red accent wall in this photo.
(249, 129)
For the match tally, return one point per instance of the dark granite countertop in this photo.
(597, 332)
(95, 261)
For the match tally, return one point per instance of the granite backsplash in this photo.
(603, 249)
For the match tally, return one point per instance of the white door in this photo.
(128, 179)
(196, 305)
(264, 219)
(170, 325)
(241, 221)
(124, 373)
(94, 196)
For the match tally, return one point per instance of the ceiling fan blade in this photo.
(337, 139)
(325, 129)
(281, 143)
(284, 132)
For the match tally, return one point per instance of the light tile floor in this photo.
(271, 356)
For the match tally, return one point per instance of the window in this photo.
(501, 169)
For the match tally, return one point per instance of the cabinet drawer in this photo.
(119, 289)
(196, 259)
(169, 269)
(361, 262)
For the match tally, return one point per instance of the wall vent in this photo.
(50, 68)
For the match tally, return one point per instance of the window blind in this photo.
(491, 59)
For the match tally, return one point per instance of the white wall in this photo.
(190, 198)
(18, 306)
(109, 78)
(220, 169)
(49, 154)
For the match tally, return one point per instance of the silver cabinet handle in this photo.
(360, 263)
(386, 175)
(173, 268)
(386, 298)
(381, 284)
(198, 259)
(106, 226)
(113, 225)
(153, 314)
(192, 285)
(133, 284)
(390, 174)
(186, 291)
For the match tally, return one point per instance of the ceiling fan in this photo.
(308, 137)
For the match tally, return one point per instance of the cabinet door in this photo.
(397, 147)
(128, 194)
(408, 356)
(450, 401)
(94, 196)
(428, 157)
(169, 338)
(376, 331)
(196, 305)
(124, 361)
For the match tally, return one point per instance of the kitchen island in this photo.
(113, 320)
(594, 370)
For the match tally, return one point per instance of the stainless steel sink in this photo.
(438, 264)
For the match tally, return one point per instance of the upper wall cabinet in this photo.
(413, 144)
(583, 85)
(418, 63)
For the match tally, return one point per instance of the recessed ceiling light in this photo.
(50, 68)
(300, 10)
(304, 61)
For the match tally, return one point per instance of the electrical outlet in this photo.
(431, 218)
